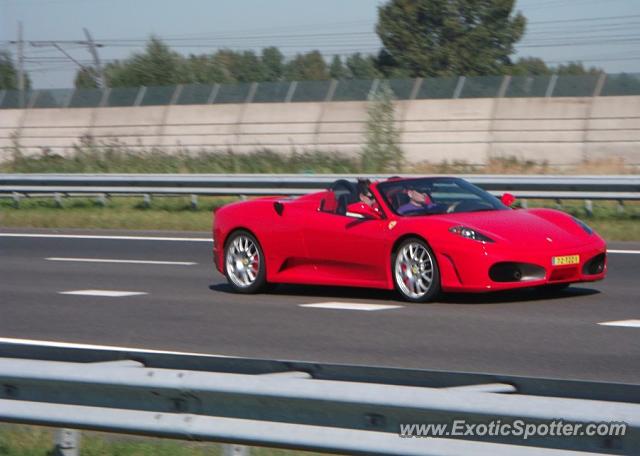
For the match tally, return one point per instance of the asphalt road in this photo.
(188, 307)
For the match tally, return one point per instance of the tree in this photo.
(247, 67)
(307, 67)
(528, 66)
(337, 70)
(9, 73)
(362, 67)
(382, 153)
(388, 66)
(577, 69)
(450, 37)
(157, 66)
(86, 78)
(273, 62)
(206, 69)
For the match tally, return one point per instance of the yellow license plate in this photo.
(565, 260)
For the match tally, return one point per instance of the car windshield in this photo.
(437, 195)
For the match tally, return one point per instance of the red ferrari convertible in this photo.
(419, 236)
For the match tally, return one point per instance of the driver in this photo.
(419, 201)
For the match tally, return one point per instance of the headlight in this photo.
(583, 225)
(470, 234)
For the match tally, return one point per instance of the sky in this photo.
(603, 33)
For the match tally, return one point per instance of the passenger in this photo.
(364, 193)
(366, 201)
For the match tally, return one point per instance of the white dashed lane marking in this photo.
(103, 293)
(622, 323)
(350, 306)
(106, 260)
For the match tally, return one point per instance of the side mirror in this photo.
(279, 207)
(363, 210)
(508, 199)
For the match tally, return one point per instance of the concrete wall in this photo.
(559, 130)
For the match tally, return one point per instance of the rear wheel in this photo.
(415, 271)
(244, 263)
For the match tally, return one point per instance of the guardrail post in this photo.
(194, 202)
(102, 199)
(524, 204)
(235, 450)
(620, 208)
(67, 443)
(57, 197)
(146, 200)
(16, 200)
(588, 207)
(558, 204)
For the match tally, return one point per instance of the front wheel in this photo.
(244, 263)
(415, 271)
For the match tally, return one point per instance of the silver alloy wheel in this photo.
(243, 261)
(414, 270)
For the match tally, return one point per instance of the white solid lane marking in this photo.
(350, 306)
(117, 238)
(623, 323)
(161, 238)
(105, 260)
(104, 293)
(47, 343)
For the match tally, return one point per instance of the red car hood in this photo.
(528, 228)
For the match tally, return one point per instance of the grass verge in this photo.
(176, 214)
(114, 156)
(167, 213)
(18, 440)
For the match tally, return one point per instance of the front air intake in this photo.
(595, 265)
(516, 272)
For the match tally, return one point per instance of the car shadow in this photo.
(317, 291)
(370, 294)
(512, 296)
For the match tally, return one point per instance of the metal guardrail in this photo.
(310, 406)
(621, 187)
